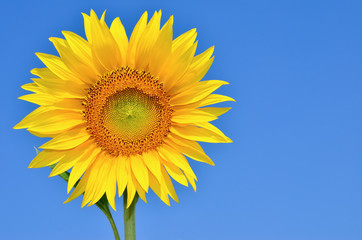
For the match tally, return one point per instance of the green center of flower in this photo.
(131, 113)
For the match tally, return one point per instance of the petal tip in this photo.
(69, 188)
(17, 126)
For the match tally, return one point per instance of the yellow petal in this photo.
(33, 87)
(62, 88)
(168, 183)
(104, 47)
(152, 161)
(131, 189)
(209, 100)
(147, 41)
(216, 111)
(42, 135)
(135, 37)
(87, 27)
(103, 178)
(75, 64)
(213, 99)
(185, 40)
(191, 180)
(46, 158)
(79, 189)
(79, 45)
(131, 192)
(200, 134)
(40, 98)
(56, 65)
(175, 173)
(121, 174)
(91, 176)
(121, 38)
(140, 171)
(102, 20)
(44, 73)
(189, 148)
(177, 66)
(31, 118)
(82, 164)
(51, 130)
(192, 115)
(158, 189)
(203, 57)
(96, 176)
(74, 104)
(70, 158)
(192, 76)
(171, 155)
(140, 191)
(197, 70)
(213, 129)
(41, 115)
(56, 123)
(67, 140)
(197, 92)
(112, 186)
(162, 48)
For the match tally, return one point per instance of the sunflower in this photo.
(123, 113)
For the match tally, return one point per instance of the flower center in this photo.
(127, 112)
(132, 114)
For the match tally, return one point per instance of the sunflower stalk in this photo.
(102, 204)
(129, 217)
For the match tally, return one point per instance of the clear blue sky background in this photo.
(294, 169)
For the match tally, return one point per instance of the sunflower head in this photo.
(124, 112)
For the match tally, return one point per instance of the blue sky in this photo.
(294, 169)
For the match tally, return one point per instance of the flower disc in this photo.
(127, 112)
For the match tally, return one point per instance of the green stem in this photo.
(129, 217)
(105, 210)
